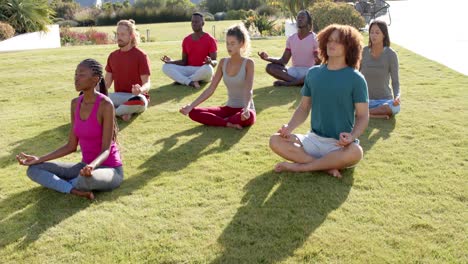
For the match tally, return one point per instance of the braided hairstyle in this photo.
(97, 70)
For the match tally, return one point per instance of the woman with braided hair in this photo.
(93, 128)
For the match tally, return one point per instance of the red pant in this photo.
(220, 116)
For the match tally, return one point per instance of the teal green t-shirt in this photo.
(333, 94)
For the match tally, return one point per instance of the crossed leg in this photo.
(383, 111)
(281, 73)
(291, 149)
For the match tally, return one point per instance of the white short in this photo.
(317, 146)
(298, 72)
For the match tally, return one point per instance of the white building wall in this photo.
(35, 40)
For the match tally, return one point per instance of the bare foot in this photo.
(380, 116)
(236, 126)
(284, 166)
(87, 195)
(335, 173)
(126, 117)
(194, 84)
(280, 83)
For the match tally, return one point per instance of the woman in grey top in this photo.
(237, 73)
(380, 63)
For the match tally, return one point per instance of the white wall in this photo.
(289, 27)
(36, 40)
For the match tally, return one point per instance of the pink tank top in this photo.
(89, 133)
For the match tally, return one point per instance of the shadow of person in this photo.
(24, 216)
(38, 144)
(172, 92)
(378, 129)
(279, 213)
(270, 96)
(180, 150)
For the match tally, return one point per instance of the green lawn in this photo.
(196, 194)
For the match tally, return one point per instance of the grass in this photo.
(174, 31)
(196, 194)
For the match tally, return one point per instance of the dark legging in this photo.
(220, 116)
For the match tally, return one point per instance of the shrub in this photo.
(6, 31)
(26, 15)
(67, 23)
(90, 37)
(262, 24)
(236, 14)
(87, 17)
(266, 10)
(220, 16)
(327, 13)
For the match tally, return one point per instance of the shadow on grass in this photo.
(270, 96)
(40, 144)
(378, 129)
(174, 157)
(279, 213)
(172, 92)
(26, 215)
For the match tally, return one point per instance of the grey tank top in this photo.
(236, 86)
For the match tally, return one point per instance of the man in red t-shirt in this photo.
(198, 57)
(129, 69)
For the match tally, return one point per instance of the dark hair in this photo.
(97, 70)
(198, 14)
(383, 27)
(308, 15)
(349, 37)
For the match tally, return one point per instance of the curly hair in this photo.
(349, 37)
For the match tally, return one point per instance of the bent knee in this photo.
(275, 141)
(270, 68)
(166, 68)
(354, 153)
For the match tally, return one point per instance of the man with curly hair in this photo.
(335, 93)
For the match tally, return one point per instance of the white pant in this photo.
(123, 108)
(187, 74)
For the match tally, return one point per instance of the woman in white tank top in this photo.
(237, 73)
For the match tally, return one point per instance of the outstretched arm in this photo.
(299, 116)
(206, 93)
(69, 147)
(282, 61)
(249, 77)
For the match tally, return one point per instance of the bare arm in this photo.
(181, 62)
(108, 79)
(299, 116)
(249, 77)
(69, 147)
(301, 113)
(212, 60)
(362, 119)
(206, 93)
(144, 88)
(282, 61)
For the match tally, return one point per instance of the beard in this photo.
(122, 44)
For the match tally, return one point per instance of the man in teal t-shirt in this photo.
(336, 95)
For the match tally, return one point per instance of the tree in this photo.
(65, 9)
(26, 15)
(292, 7)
